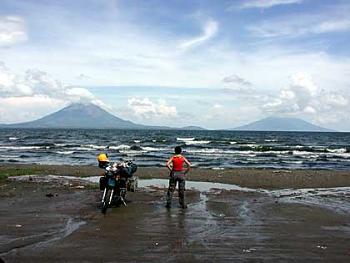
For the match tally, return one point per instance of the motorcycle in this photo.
(117, 179)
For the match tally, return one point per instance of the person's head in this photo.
(178, 150)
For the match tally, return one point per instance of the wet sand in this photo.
(253, 178)
(60, 221)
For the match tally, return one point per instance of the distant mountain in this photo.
(80, 115)
(282, 124)
(193, 128)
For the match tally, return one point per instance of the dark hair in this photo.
(178, 150)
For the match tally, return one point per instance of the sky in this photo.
(216, 64)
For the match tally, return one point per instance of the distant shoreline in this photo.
(10, 127)
(245, 177)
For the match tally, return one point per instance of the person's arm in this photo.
(169, 164)
(188, 165)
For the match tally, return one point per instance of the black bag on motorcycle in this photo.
(103, 182)
(129, 171)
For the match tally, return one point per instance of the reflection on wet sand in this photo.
(219, 225)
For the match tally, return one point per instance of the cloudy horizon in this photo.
(178, 63)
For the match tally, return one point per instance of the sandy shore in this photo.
(60, 221)
(253, 178)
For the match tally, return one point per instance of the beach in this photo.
(245, 177)
(269, 214)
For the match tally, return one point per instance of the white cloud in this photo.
(38, 83)
(35, 93)
(20, 109)
(78, 94)
(235, 79)
(12, 30)
(209, 31)
(264, 4)
(295, 98)
(304, 98)
(147, 109)
(331, 19)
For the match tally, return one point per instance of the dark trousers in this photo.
(176, 178)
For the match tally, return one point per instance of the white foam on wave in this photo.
(252, 145)
(308, 155)
(8, 156)
(153, 149)
(65, 152)
(196, 142)
(13, 138)
(340, 150)
(97, 147)
(120, 147)
(137, 141)
(210, 151)
(305, 154)
(132, 152)
(233, 142)
(83, 149)
(23, 147)
(185, 139)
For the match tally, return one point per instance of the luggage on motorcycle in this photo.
(130, 170)
(103, 182)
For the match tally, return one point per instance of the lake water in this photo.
(207, 149)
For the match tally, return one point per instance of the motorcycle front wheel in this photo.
(107, 200)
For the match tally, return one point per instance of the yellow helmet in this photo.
(102, 157)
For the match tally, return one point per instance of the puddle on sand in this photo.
(199, 186)
(336, 198)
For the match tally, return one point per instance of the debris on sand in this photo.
(49, 195)
(322, 247)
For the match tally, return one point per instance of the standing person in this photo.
(177, 175)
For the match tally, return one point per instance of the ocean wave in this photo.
(96, 147)
(22, 147)
(13, 138)
(9, 156)
(233, 142)
(132, 152)
(340, 150)
(67, 145)
(210, 151)
(196, 142)
(120, 147)
(137, 141)
(305, 153)
(65, 152)
(153, 149)
(185, 139)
